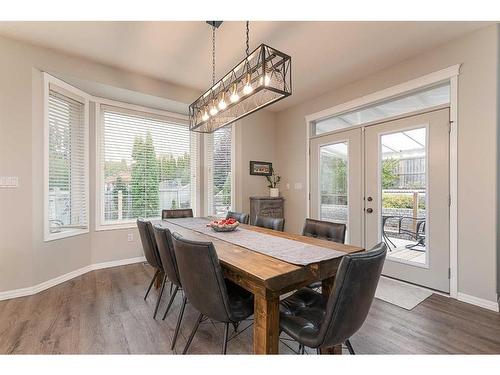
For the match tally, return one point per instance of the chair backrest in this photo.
(166, 249)
(352, 295)
(201, 277)
(240, 216)
(270, 222)
(177, 213)
(324, 230)
(149, 243)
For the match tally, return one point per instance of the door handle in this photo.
(369, 210)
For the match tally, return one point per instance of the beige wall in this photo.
(25, 259)
(255, 137)
(477, 148)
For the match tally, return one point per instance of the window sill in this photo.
(118, 226)
(106, 227)
(65, 234)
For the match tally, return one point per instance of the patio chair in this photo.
(417, 235)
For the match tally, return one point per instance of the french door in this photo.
(336, 182)
(390, 182)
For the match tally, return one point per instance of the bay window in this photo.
(146, 163)
(220, 186)
(66, 160)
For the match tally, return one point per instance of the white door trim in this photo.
(447, 74)
(388, 93)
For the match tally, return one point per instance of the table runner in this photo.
(290, 251)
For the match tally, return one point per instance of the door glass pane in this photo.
(404, 186)
(333, 182)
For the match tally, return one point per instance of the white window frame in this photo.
(207, 175)
(450, 74)
(183, 119)
(51, 81)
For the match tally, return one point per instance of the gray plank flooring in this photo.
(103, 312)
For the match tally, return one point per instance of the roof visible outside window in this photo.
(416, 101)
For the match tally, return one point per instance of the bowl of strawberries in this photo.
(224, 225)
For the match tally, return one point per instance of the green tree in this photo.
(145, 178)
(184, 168)
(333, 180)
(172, 168)
(168, 168)
(389, 175)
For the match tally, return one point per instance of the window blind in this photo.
(67, 193)
(147, 163)
(220, 169)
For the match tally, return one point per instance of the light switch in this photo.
(9, 181)
(297, 186)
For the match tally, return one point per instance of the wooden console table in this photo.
(266, 206)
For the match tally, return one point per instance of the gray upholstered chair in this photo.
(325, 230)
(206, 289)
(317, 321)
(166, 249)
(239, 216)
(177, 213)
(270, 222)
(152, 255)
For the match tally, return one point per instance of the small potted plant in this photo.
(273, 181)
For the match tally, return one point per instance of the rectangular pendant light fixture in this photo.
(262, 78)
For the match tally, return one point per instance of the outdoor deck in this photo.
(400, 252)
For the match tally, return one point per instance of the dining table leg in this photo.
(266, 324)
(326, 289)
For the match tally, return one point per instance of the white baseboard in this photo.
(116, 263)
(487, 304)
(9, 294)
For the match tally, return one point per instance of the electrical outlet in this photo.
(130, 237)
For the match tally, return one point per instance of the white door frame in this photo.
(449, 74)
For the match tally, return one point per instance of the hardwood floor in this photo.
(104, 312)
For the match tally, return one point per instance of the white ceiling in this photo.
(325, 55)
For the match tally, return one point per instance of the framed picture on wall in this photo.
(261, 168)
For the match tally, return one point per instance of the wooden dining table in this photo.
(268, 278)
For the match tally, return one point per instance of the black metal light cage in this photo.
(267, 70)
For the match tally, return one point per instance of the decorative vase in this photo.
(274, 192)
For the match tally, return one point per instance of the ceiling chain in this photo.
(248, 44)
(213, 54)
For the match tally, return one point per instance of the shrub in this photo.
(395, 200)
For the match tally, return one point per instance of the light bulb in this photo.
(213, 109)
(247, 89)
(234, 95)
(205, 115)
(266, 81)
(222, 102)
